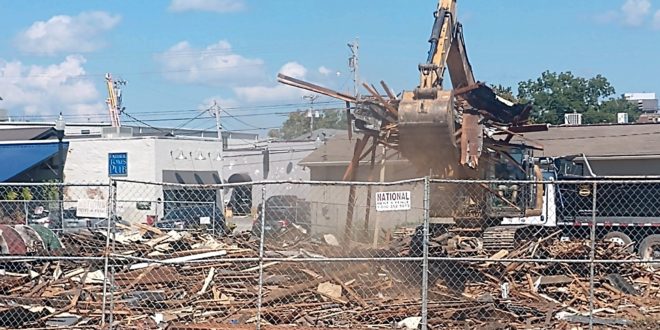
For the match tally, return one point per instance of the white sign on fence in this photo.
(92, 208)
(393, 200)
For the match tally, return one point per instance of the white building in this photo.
(646, 102)
(180, 161)
(94, 153)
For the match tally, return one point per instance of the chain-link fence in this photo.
(53, 260)
(412, 254)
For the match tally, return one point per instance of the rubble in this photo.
(186, 280)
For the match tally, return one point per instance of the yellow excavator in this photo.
(429, 133)
(447, 133)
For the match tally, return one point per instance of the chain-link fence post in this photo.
(112, 211)
(213, 217)
(592, 256)
(60, 201)
(425, 262)
(262, 219)
(26, 212)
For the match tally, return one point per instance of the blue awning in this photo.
(17, 158)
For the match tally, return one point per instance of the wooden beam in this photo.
(389, 92)
(380, 99)
(284, 79)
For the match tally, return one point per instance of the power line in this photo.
(143, 123)
(193, 118)
(239, 120)
(159, 112)
(156, 116)
(235, 117)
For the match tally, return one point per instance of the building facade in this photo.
(645, 102)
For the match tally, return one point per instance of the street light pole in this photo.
(312, 99)
(218, 127)
(60, 126)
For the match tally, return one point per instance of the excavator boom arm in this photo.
(447, 51)
(432, 71)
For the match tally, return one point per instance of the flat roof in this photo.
(608, 140)
(137, 130)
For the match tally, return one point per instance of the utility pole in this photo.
(114, 99)
(354, 65)
(216, 112)
(311, 114)
(218, 127)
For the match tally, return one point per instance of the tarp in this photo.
(51, 242)
(17, 158)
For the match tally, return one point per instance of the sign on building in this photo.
(393, 200)
(92, 208)
(117, 164)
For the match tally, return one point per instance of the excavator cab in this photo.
(505, 196)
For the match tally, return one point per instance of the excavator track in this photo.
(500, 238)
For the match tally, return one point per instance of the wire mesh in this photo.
(51, 250)
(412, 254)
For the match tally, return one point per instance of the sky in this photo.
(180, 56)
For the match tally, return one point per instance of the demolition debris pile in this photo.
(180, 280)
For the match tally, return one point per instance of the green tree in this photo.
(298, 123)
(275, 133)
(615, 105)
(556, 94)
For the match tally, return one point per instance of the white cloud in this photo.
(218, 6)
(293, 69)
(265, 94)
(47, 90)
(214, 65)
(324, 71)
(67, 33)
(632, 13)
(656, 20)
(274, 93)
(635, 11)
